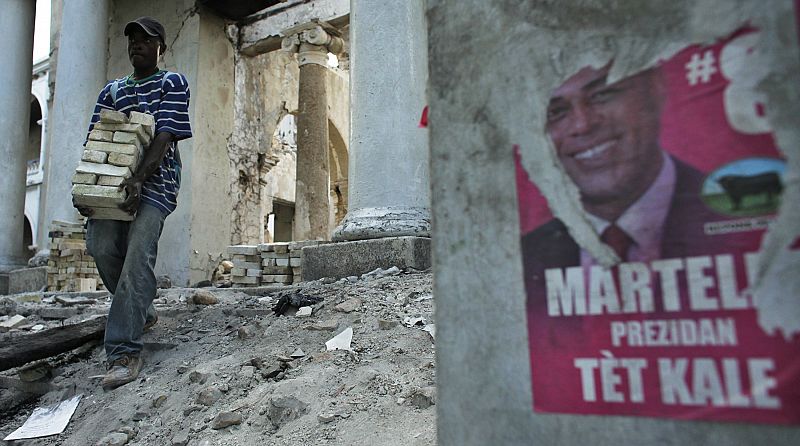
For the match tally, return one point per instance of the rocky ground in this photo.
(233, 373)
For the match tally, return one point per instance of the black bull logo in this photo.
(739, 186)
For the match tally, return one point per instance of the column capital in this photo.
(312, 42)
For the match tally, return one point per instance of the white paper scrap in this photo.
(341, 341)
(46, 421)
(430, 328)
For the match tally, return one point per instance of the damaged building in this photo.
(270, 158)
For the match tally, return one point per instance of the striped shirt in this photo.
(170, 107)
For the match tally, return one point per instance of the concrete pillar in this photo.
(312, 195)
(312, 203)
(388, 164)
(16, 21)
(80, 74)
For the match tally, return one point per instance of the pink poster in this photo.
(679, 174)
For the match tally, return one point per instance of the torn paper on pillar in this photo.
(661, 295)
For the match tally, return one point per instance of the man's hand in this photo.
(133, 186)
(86, 212)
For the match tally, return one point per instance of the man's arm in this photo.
(153, 157)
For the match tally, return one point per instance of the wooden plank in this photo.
(22, 349)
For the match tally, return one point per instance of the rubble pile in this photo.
(70, 267)
(111, 155)
(228, 371)
(268, 263)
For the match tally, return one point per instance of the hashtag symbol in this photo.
(700, 69)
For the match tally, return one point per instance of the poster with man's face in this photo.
(679, 175)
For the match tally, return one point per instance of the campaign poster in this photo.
(679, 174)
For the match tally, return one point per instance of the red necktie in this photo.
(618, 240)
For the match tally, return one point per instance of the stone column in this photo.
(388, 165)
(312, 195)
(80, 74)
(16, 21)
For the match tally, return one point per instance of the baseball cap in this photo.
(150, 25)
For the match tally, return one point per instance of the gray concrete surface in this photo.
(81, 73)
(27, 279)
(15, 95)
(489, 63)
(345, 259)
(388, 184)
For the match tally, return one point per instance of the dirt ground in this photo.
(233, 373)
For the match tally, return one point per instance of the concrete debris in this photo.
(341, 341)
(410, 321)
(208, 396)
(326, 325)
(423, 398)
(77, 300)
(424, 297)
(12, 322)
(8, 306)
(198, 377)
(180, 439)
(246, 332)
(326, 417)
(163, 282)
(431, 329)
(214, 388)
(285, 409)
(226, 419)
(113, 439)
(387, 325)
(380, 272)
(349, 305)
(304, 312)
(203, 297)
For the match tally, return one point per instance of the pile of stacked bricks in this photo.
(70, 267)
(268, 263)
(246, 269)
(112, 154)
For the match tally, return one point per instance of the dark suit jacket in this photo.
(551, 246)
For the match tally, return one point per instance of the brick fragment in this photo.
(104, 169)
(94, 156)
(105, 180)
(84, 178)
(112, 147)
(113, 117)
(101, 135)
(122, 160)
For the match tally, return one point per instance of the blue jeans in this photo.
(125, 255)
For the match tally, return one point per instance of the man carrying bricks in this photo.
(125, 251)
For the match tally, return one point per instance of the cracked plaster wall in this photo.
(262, 169)
(198, 232)
(266, 90)
(485, 57)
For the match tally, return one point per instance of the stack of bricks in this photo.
(246, 269)
(112, 154)
(70, 267)
(275, 263)
(295, 249)
(268, 263)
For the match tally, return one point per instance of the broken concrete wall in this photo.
(492, 68)
(198, 232)
(266, 90)
(263, 166)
